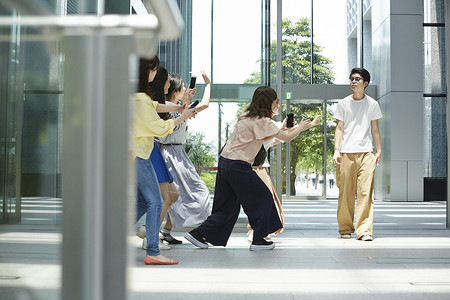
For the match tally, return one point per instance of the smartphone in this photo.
(194, 104)
(290, 120)
(192, 84)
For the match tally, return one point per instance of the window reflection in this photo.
(331, 39)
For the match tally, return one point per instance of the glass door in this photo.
(331, 190)
(311, 174)
(10, 124)
(306, 153)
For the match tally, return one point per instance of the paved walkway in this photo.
(409, 259)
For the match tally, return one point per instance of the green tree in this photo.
(306, 150)
(198, 151)
(296, 60)
(201, 156)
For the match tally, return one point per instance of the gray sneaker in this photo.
(162, 246)
(141, 232)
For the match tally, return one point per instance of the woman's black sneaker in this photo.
(196, 239)
(168, 238)
(261, 244)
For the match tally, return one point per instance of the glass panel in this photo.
(201, 36)
(41, 159)
(434, 59)
(236, 39)
(367, 37)
(214, 52)
(435, 139)
(330, 46)
(307, 165)
(332, 190)
(30, 123)
(220, 118)
(8, 60)
(366, 5)
(296, 41)
(352, 35)
(12, 122)
(434, 11)
(273, 42)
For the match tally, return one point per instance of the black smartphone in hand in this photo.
(290, 120)
(194, 104)
(192, 84)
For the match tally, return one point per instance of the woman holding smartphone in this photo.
(261, 167)
(147, 125)
(192, 206)
(236, 182)
(157, 89)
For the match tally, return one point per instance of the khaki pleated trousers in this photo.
(265, 177)
(263, 173)
(355, 177)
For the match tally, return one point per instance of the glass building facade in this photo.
(303, 48)
(435, 99)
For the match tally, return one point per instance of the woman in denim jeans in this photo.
(147, 125)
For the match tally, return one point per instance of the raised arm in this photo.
(206, 94)
(293, 132)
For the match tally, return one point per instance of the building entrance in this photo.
(306, 167)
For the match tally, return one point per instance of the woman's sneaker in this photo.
(366, 237)
(168, 238)
(141, 232)
(261, 244)
(196, 239)
(162, 246)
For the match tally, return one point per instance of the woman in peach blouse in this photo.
(237, 183)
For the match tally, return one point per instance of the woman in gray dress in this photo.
(192, 206)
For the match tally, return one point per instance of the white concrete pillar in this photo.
(397, 34)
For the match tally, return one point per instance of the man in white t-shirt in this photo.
(357, 118)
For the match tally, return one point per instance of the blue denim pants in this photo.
(149, 200)
(237, 184)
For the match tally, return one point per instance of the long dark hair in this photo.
(145, 66)
(261, 105)
(176, 82)
(156, 89)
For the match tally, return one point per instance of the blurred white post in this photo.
(95, 164)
